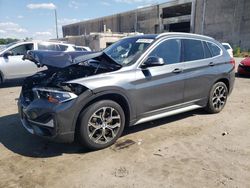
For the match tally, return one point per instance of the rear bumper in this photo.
(231, 81)
(51, 121)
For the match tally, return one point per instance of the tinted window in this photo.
(193, 50)
(47, 47)
(22, 49)
(169, 50)
(226, 46)
(214, 49)
(207, 52)
(62, 48)
(79, 49)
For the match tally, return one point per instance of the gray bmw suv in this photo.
(92, 96)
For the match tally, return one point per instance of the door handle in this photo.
(211, 64)
(177, 70)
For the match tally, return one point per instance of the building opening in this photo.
(177, 18)
(180, 27)
(176, 11)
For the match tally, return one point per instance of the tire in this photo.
(1, 80)
(217, 98)
(101, 124)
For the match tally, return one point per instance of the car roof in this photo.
(225, 43)
(181, 34)
(177, 34)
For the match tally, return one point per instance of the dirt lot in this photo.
(186, 150)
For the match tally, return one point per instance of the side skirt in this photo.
(168, 113)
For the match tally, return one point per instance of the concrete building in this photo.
(225, 20)
(96, 41)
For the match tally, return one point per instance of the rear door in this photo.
(200, 69)
(162, 86)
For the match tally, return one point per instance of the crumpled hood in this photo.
(59, 59)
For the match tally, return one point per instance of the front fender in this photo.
(89, 96)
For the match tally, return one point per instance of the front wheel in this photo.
(1, 79)
(101, 124)
(217, 98)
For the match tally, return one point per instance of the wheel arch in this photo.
(225, 81)
(115, 96)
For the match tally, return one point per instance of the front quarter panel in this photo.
(119, 82)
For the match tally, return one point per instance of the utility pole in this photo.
(56, 24)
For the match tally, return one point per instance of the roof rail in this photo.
(181, 33)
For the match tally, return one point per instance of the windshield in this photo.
(128, 50)
(2, 47)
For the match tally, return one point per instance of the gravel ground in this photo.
(186, 150)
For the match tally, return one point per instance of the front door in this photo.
(162, 86)
(15, 67)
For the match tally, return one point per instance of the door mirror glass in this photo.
(153, 61)
(7, 54)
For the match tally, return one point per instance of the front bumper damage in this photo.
(52, 121)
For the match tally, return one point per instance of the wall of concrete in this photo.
(225, 20)
(143, 20)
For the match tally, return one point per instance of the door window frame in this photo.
(144, 56)
(28, 43)
(154, 46)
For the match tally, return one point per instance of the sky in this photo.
(36, 18)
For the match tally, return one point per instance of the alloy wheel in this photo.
(104, 125)
(219, 97)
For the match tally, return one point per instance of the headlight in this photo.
(54, 96)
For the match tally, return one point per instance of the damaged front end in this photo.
(48, 102)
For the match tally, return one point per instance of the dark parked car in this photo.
(93, 96)
(244, 67)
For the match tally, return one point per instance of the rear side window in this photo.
(207, 52)
(169, 50)
(193, 50)
(79, 49)
(47, 47)
(62, 47)
(214, 49)
(226, 47)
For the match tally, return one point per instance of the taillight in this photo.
(232, 61)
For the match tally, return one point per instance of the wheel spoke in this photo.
(90, 124)
(93, 133)
(98, 138)
(97, 116)
(114, 126)
(104, 112)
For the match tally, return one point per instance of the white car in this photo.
(12, 66)
(229, 49)
(82, 48)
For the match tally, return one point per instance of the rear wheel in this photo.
(217, 98)
(101, 124)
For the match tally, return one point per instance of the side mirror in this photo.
(153, 61)
(7, 54)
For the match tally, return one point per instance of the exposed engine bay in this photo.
(55, 78)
